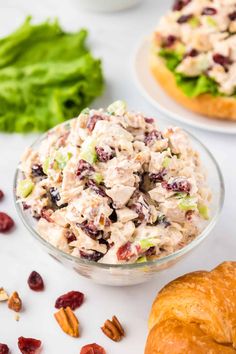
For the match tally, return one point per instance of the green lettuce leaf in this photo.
(171, 57)
(191, 86)
(195, 86)
(46, 77)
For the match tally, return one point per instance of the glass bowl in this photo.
(136, 273)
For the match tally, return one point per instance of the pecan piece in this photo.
(14, 302)
(113, 329)
(3, 295)
(68, 321)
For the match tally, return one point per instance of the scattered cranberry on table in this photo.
(73, 299)
(6, 222)
(92, 349)
(1, 194)
(4, 349)
(35, 281)
(28, 345)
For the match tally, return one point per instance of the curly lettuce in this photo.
(46, 77)
(191, 86)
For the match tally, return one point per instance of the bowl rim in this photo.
(129, 266)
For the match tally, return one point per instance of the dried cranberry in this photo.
(113, 216)
(103, 155)
(169, 41)
(221, 59)
(6, 222)
(1, 194)
(25, 206)
(149, 120)
(54, 195)
(189, 215)
(92, 349)
(73, 299)
(150, 252)
(103, 241)
(37, 171)
(162, 220)
(192, 53)
(90, 229)
(180, 4)
(96, 188)
(159, 176)
(84, 169)
(92, 122)
(4, 349)
(46, 214)
(179, 185)
(64, 205)
(35, 281)
(91, 256)
(184, 18)
(232, 16)
(70, 236)
(152, 136)
(209, 11)
(28, 345)
(124, 253)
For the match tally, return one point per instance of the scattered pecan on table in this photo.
(113, 329)
(14, 302)
(68, 321)
(3, 296)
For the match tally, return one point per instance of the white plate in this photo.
(156, 95)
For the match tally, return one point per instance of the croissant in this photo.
(195, 314)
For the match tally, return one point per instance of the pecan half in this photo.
(3, 295)
(14, 302)
(113, 329)
(68, 321)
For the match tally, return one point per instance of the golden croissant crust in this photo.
(195, 314)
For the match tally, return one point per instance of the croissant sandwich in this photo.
(195, 314)
(193, 56)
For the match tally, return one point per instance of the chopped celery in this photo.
(146, 244)
(194, 22)
(180, 195)
(187, 203)
(166, 161)
(141, 260)
(24, 188)
(211, 22)
(117, 108)
(88, 152)
(62, 159)
(97, 177)
(180, 49)
(46, 165)
(203, 211)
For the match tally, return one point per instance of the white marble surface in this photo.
(113, 37)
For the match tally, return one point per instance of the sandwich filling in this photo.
(110, 187)
(197, 40)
